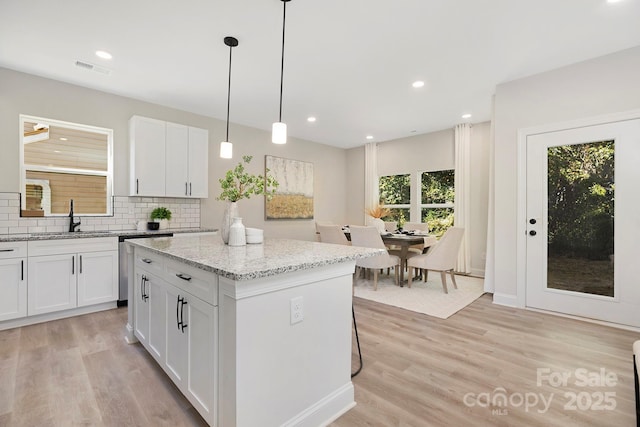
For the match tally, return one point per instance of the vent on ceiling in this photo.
(93, 67)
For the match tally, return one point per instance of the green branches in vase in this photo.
(238, 184)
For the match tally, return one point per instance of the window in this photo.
(437, 196)
(395, 194)
(433, 201)
(63, 161)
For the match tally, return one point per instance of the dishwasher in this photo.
(123, 263)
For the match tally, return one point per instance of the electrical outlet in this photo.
(297, 310)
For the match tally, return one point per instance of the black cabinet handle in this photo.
(22, 270)
(532, 233)
(532, 221)
(186, 187)
(183, 325)
(6, 250)
(189, 188)
(143, 291)
(137, 186)
(183, 276)
(146, 260)
(80, 264)
(178, 301)
(73, 264)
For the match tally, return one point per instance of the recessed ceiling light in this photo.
(103, 54)
(369, 137)
(417, 83)
(62, 138)
(614, 1)
(466, 116)
(311, 119)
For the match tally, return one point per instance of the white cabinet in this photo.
(97, 273)
(178, 328)
(69, 273)
(52, 283)
(150, 312)
(147, 156)
(190, 347)
(168, 159)
(13, 280)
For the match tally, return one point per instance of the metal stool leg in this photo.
(355, 326)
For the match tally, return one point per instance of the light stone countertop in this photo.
(87, 234)
(274, 256)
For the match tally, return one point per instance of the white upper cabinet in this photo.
(147, 156)
(198, 162)
(177, 159)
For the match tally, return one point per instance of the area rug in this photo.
(427, 298)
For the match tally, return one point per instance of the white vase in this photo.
(378, 223)
(230, 212)
(237, 235)
(164, 224)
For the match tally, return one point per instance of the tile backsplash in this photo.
(127, 211)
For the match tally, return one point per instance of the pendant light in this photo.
(279, 129)
(226, 147)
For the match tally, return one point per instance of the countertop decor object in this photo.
(238, 184)
(237, 235)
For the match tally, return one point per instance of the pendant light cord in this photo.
(284, 18)
(229, 92)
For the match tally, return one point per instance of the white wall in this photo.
(432, 151)
(604, 85)
(22, 93)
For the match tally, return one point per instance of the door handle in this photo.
(186, 193)
(183, 276)
(146, 260)
(22, 270)
(73, 264)
(6, 250)
(178, 322)
(532, 233)
(189, 188)
(80, 267)
(137, 186)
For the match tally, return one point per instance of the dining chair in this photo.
(332, 234)
(421, 227)
(369, 237)
(441, 257)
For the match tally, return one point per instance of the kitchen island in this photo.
(257, 335)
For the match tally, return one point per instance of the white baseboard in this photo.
(327, 410)
(505, 299)
(46, 317)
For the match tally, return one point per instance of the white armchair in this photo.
(369, 237)
(441, 257)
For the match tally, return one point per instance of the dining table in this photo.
(404, 241)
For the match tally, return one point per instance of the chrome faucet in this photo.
(72, 225)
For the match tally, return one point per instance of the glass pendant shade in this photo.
(279, 133)
(226, 150)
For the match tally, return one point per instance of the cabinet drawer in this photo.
(149, 261)
(13, 250)
(199, 283)
(69, 246)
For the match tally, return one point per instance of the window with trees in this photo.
(432, 201)
(437, 196)
(395, 194)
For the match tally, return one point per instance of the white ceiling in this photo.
(348, 63)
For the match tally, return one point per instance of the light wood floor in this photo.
(417, 371)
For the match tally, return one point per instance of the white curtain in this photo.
(371, 191)
(489, 266)
(462, 190)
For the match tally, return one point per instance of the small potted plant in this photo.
(161, 215)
